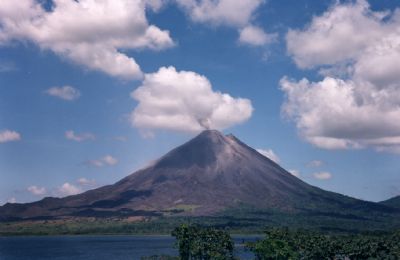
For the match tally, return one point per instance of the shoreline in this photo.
(233, 235)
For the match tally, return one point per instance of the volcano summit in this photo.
(213, 176)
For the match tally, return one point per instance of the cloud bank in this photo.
(184, 101)
(221, 12)
(90, 33)
(230, 13)
(356, 104)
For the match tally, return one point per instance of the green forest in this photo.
(200, 243)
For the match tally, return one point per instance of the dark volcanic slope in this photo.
(206, 175)
(393, 202)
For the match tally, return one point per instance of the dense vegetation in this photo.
(286, 244)
(203, 243)
(196, 243)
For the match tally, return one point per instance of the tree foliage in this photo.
(199, 243)
(285, 244)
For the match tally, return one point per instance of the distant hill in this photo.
(216, 177)
(393, 202)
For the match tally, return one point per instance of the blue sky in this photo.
(89, 92)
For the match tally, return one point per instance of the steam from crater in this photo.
(204, 122)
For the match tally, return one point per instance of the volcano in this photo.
(212, 175)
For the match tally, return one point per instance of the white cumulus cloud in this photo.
(97, 163)
(66, 92)
(9, 136)
(85, 182)
(337, 114)
(68, 189)
(322, 175)
(87, 32)
(340, 34)
(356, 104)
(315, 163)
(106, 160)
(184, 101)
(231, 13)
(35, 190)
(71, 135)
(269, 154)
(253, 35)
(221, 12)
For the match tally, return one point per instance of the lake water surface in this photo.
(96, 247)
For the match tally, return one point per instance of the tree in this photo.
(277, 245)
(198, 243)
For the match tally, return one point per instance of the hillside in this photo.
(392, 202)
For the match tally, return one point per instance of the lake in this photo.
(96, 247)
